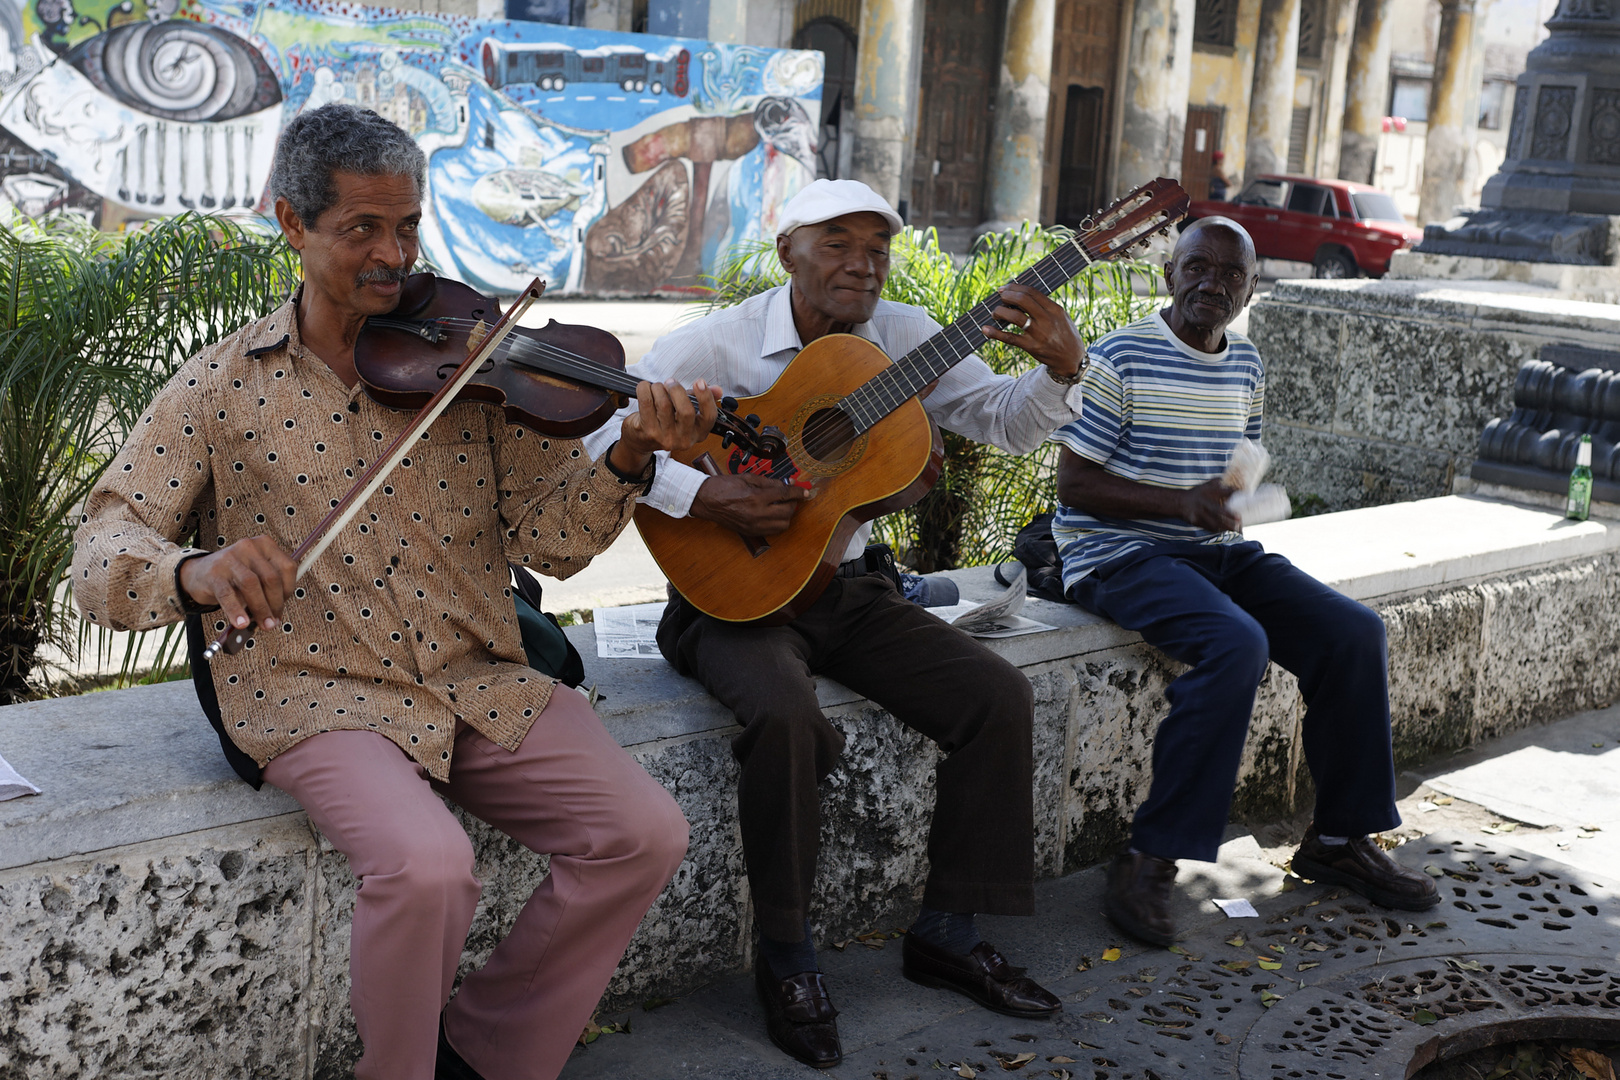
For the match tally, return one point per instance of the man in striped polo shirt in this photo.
(1148, 541)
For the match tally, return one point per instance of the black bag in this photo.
(1035, 548)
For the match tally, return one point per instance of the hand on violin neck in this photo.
(665, 419)
(249, 581)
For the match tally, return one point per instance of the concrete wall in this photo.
(159, 918)
(1377, 391)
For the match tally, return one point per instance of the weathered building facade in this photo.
(968, 113)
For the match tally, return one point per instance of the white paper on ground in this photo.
(1238, 909)
(13, 785)
(996, 618)
(629, 632)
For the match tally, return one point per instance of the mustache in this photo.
(1222, 302)
(381, 275)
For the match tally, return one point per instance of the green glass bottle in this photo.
(1580, 483)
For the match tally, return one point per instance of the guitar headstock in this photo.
(1133, 219)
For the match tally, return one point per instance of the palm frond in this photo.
(91, 326)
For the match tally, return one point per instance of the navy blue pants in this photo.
(1226, 610)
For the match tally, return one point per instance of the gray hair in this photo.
(339, 138)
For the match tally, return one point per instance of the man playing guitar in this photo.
(976, 707)
(394, 672)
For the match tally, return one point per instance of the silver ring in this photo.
(1028, 318)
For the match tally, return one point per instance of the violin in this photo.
(558, 379)
(445, 342)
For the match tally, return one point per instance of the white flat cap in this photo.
(824, 200)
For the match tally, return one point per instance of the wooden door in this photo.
(961, 61)
(1085, 47)
(1198, 147)
(1079, 187)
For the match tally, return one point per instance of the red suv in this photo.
(1341, 228)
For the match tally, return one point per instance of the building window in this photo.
(565, 12)
(1409, 98)
(1311, 17)
(1215, 23)
(1492, 100)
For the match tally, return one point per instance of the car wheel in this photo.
(1333, 263)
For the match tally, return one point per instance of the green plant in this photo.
(983, 496)
(93, 324)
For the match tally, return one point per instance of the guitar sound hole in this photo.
(828, 435)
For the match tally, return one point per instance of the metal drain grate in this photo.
(1327, 985)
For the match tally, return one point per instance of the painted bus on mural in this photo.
(553, 66)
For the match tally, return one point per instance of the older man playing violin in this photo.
(975, 706)
(394, 672)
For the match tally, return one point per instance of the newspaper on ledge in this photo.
(996, 618)
(12, 784)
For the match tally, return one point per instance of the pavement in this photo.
(1547, 791)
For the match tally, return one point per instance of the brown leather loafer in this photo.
(799, 1015)
(1367, 868)
(1138, 897)
(983, 975)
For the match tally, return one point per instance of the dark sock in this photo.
(952, 931)
(789, 957)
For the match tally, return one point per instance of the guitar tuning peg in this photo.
(727, 439)
(729, 404)
(752, 420)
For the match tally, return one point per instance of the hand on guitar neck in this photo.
(1044, 329)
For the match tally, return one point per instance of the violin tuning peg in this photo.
(752, 420)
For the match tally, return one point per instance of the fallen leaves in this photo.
(1593, 1065)
(594, 1030)
(1111, 955)
(1307, 965)
(872, 939)
(1268, 999)
(1424, 1017)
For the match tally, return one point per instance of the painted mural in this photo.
(601, 161)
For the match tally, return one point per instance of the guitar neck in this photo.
(909, 375)
(1151, 208)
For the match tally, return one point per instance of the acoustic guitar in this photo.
(845, 420)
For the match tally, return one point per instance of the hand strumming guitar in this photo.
(747, 504)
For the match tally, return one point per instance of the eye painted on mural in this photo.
(178, 70)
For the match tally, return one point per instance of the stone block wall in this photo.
(1377, 391)
(224, 951)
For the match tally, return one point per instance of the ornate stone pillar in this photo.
(1019, 136)
(1366, 92)
(1271, 103)
(887, 67)
(1453, 114)
(1557, 194)
(1158, 77)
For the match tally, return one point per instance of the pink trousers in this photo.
(615, 838)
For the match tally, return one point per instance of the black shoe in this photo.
(983, 975)
(1365, 867)
(1138, 897)
(449, 1065)
(799, 1015)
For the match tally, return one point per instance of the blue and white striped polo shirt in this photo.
(1159, 412)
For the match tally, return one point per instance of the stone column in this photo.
(1271, 102)
(1366, 92)
(1158, 77)
(1452, 120)
(886, 83)
(1019, 137)
(1341, 18)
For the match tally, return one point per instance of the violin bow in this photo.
(233, 640)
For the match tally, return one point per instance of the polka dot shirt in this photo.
(406, 624)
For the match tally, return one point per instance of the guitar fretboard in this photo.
(906, 377)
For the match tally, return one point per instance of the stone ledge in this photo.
(1499, 616)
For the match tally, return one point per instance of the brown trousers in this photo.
(934, 679)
